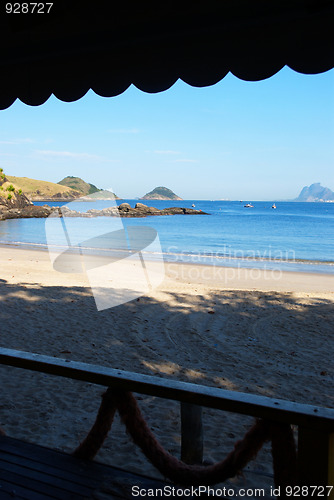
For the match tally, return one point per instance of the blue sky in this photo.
(235, 140)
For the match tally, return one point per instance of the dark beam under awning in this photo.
(107, 46)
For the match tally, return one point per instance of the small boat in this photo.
(274, 206)
(249, 205)
(193, 205)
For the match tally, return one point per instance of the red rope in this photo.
(96, 436)
(283, 446)
(178, 471)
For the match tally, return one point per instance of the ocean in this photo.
(292, 237)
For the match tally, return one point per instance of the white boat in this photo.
(193, 205)
(274, 206)
(249, 205)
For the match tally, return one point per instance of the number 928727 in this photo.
(28, 8)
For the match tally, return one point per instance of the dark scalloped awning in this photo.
(106, 46)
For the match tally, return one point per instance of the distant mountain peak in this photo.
(161, 193)
(79, 185)
(315, 192)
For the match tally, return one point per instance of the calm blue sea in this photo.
(294, 236)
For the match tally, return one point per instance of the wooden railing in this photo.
(315, 424)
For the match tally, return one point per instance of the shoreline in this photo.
(36, 264)
(301, 266)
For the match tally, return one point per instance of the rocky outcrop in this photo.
(10, 196)
(124, 210)
(27, 212)
(142, 210)
(18, 200)
(125, 207)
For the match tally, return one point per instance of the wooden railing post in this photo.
(191, 434)
(315, 458)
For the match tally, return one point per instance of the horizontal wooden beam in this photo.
(279, 410)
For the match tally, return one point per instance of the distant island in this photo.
(161, 193)
(315, 193)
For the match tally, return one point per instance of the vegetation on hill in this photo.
(87, 189)
(161, 193)
(11, 196)
(37, 190)
(79, 184)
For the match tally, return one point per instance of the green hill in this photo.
(79, 184)
(161, 193)
(37, 190)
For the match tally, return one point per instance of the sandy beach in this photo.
(253, 331)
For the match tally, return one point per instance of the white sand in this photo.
(245, 330)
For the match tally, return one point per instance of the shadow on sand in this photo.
(268, 343)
